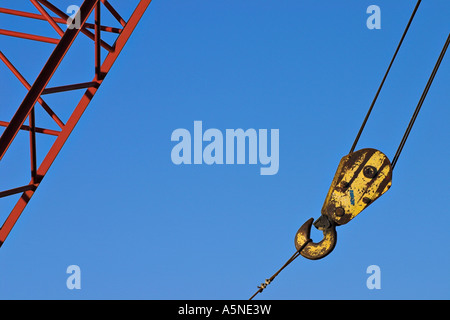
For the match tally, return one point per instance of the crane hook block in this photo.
(361, 178)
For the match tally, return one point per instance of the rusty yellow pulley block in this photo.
(361, 178)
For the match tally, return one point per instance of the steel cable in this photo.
(403, 141)
(419, 105)
(268, 281)
(385, 76)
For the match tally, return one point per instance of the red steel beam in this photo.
(28, 86)
(28, 36)
(83, 29)
(33, 154)
(43, 79)
(56, 19)
(98, 39)
(114, 12)
(37, 129)
(74, 118)
(70, 87)
(48, 18)
(10, 192)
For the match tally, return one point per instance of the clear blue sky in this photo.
(141, 227)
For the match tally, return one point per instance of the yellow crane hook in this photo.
(361, 178)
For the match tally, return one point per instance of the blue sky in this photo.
(141, 227)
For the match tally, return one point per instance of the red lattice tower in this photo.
(24, 117)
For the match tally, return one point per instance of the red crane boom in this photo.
(36, 91)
